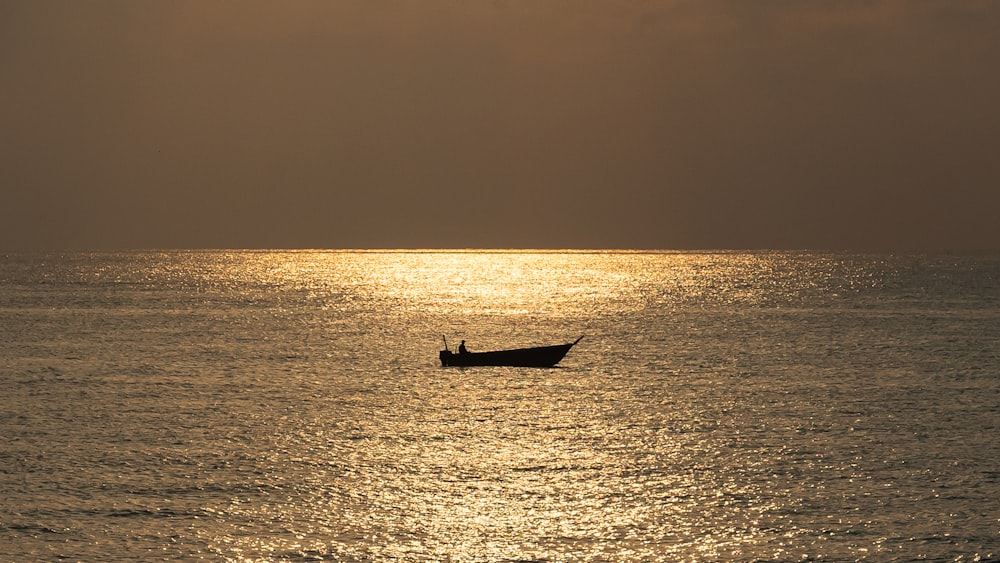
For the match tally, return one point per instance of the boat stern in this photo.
(445, 356)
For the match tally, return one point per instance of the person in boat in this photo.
(461, 348)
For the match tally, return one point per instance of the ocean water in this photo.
(290, 406)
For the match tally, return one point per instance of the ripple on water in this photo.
(288, 406)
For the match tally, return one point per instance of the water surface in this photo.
(250, 406)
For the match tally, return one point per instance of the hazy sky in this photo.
(527, 124)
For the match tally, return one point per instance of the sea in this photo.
(290, 406)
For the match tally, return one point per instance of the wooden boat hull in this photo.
(539, 357)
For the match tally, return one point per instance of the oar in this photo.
(445, 342)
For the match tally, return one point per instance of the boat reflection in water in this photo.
(538, 357)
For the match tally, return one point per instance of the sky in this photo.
(861, 125)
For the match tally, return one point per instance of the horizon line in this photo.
(501, 250)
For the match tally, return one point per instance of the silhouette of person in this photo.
(461, 348)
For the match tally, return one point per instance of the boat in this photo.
(538, 357)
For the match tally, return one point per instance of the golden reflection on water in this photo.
(394, 457)
(526, 282)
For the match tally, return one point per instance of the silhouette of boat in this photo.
(538, 357)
